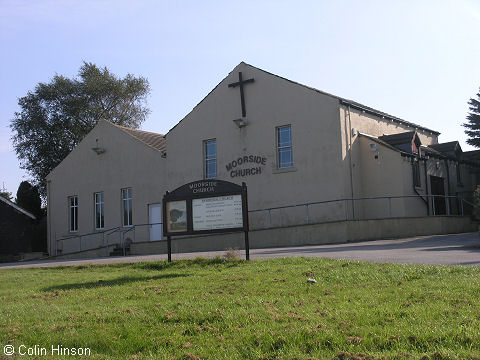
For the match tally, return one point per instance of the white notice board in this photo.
(221, 212)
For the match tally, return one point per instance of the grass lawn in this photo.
(219, 309)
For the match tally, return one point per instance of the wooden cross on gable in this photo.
(240, 83)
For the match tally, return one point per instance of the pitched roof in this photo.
(18, 208)
(450, 146)
(472, 155)
(400, 138)
(354, 104)
(467, 157)
(384, 143)
(342, 101)
(154, 140)
(431, 151)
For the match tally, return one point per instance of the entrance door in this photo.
(437, 187)
(155, 218)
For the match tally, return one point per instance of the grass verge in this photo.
(231, 309)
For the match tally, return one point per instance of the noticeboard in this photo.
(219, 212)
(205, 206)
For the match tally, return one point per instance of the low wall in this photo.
(316, 234)
(86, 254)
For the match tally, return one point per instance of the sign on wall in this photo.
(205, 207)
(246, 165)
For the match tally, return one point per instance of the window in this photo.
(127, 207)
(416, 173)
(99, 220)
(73, 213)
(210, 150)
(284, 147)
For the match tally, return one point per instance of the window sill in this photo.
(284, 170)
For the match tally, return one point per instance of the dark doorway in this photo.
(437, 188)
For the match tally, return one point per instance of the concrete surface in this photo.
(456, 249)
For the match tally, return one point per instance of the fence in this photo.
(117, 236)
(360, 208)
(290, 215)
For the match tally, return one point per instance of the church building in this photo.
(315, 165)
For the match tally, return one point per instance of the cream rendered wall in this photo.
(127, 162)
(376, 126)
(318, 172)
(389, 175)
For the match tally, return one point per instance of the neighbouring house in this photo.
(17, 229)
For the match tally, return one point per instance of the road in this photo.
(455, 249)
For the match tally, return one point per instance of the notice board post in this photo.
(245, 219)
(206, 207)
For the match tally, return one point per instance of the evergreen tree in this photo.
(473, 124)
(7, 195)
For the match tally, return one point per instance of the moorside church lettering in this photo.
(203, 186)
(255, 160)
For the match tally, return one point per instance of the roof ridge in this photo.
(342, 99)
(18, 208)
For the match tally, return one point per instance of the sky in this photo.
(417, 60)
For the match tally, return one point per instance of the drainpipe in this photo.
(426, 185)
(49, 221)
(448, 187)
(413, 182)
(350, 158)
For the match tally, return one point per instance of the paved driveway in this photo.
(457, 249)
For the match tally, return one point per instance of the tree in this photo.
(7, 195)
(473, 124)
(28, 198)
(56, 116)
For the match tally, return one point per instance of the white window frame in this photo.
(207, 160)
(127, 203)
(99, 205)
(281, 147)
(72, 221)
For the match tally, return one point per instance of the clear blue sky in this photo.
(418, 60)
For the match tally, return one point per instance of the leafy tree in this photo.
(56, 116)
(28, 198)
(473, 124)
